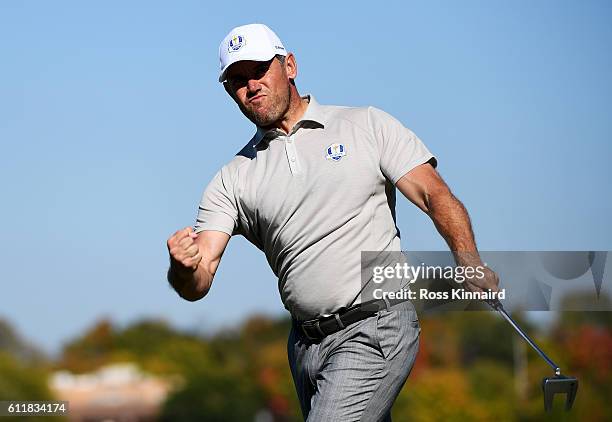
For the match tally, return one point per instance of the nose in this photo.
(253, 85)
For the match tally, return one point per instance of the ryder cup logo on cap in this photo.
(336, 152)
(235, 43)
(249, 42)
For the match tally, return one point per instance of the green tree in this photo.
(23, 372)
(214, 396)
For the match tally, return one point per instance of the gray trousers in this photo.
(356, 373)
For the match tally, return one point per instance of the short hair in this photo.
(281, 60)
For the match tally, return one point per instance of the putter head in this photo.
(559, 384)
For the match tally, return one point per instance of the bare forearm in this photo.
(453, 223)
(190, 274)
(190, 285)
(424, 187)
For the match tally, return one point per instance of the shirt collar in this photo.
(314, 113)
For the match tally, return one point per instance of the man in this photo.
(313, 188)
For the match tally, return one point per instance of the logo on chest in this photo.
(335, 152)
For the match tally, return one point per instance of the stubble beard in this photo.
(279, 106)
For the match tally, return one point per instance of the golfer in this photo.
(313, 188)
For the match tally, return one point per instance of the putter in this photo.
(559, 384)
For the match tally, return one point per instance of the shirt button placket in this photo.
(292, 155)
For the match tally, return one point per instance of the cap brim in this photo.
(255, 59)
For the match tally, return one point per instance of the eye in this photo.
(261, 70)
(236, 81)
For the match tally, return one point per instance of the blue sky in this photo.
(112, 122)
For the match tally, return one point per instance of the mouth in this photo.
(256, 98)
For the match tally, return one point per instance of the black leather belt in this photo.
(317, 329)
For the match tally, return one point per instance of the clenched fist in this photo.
(184, 250)
(488, 281)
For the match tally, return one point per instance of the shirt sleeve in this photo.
(218, 209)
(399, 148)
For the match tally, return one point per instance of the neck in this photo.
(297, 108)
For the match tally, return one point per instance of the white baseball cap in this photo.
(249, 42)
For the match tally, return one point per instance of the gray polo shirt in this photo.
(314, 198)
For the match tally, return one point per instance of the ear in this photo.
(291, 66)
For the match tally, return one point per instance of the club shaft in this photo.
(535, 347)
